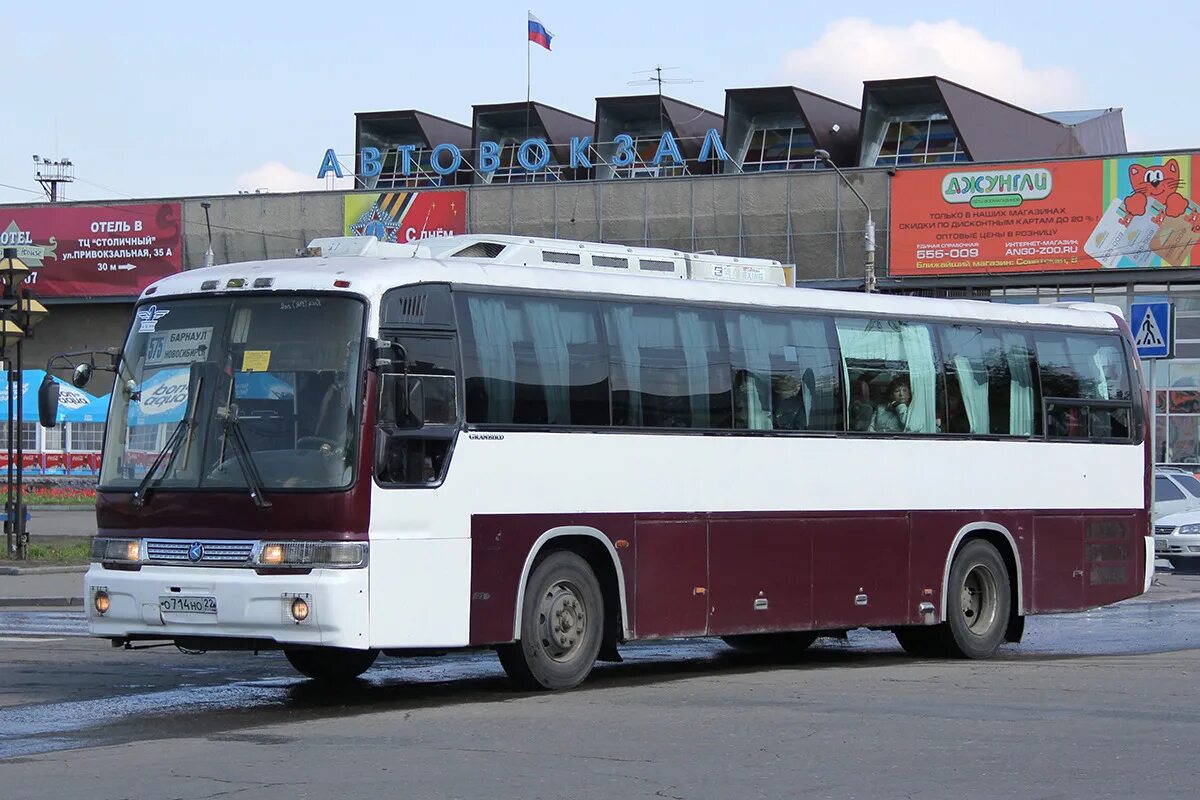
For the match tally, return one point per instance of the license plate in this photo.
(1160, 547)
(183, 604)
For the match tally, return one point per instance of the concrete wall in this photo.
(809, 219)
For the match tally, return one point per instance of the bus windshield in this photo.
(214, 388)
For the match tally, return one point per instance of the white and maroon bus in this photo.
(550, 448)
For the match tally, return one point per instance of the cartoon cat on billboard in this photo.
(1159, 182)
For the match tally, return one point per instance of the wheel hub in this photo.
(978, 599)
(563, 621)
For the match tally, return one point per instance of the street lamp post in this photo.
(209, 260)
(19, 312)
(869, 236)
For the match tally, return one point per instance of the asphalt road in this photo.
(1100, 704)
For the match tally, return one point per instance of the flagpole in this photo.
(528, 74)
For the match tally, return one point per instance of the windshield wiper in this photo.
(241, 452)
(182, 430)
(142, 492)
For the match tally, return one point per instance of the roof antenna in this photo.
(660, 80)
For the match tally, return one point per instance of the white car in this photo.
(1177, 539)
(1174, 491)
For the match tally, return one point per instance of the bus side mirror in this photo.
(48, 402)
(81, 375)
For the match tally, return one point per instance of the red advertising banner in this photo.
(79, 462)
(406, 217)
(55, 461)
(1116, 213)
(94, 251)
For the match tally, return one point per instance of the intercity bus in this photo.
(551, 448)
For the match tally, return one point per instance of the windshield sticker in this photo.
(163, 398)
(178, 346)
(149, 316)
(256, 360)
(304, 302)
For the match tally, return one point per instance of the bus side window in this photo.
(1086, 385)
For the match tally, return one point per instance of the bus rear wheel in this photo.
(331, 664)
(781, 644)
(562, 621)
(978, 602)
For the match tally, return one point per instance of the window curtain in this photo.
(756, 346)
(627, 358)
(494, 349)
(697, 341)
(973, 383)
(967, 348)
(547, 329)
(922, 376)
(1020, 390)
(810, 337)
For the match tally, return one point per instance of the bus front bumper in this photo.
(213, 603)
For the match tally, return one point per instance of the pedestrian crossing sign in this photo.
(1151, 325)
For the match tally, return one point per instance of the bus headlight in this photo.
(337, 555)
(116, 551)
(101, 601)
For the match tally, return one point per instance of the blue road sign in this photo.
(1152, 332)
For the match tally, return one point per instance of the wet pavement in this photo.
(61, 690)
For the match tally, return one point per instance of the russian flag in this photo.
(538, 33)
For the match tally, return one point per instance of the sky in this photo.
(195, 99)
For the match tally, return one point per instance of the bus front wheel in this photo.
(331, 664)
(562, 621)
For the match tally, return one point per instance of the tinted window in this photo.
(893, 378)
(990, 386)
(1084, 366)
(785, 372)
(533, 361)
(669, 366)
(1165, 490)
(1189, 483)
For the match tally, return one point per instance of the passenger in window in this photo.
(892, 417)
(791, 410)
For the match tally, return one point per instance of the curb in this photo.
(34, 509)
(48, 570)
(41, 602)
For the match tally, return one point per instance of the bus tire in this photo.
(783, 644)
(978, 602)
(562, 624)
(331, 664)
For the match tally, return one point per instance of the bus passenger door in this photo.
(760, 576)
(671, 594)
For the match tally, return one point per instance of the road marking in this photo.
(27, 639)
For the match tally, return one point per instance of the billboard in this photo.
(94, 251)
(405, 217)
(1132, 212)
